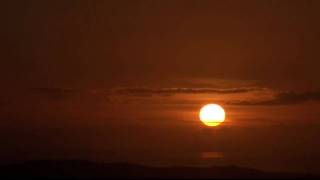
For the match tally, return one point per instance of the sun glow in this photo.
(212, 114)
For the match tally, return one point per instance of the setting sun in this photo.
(212, 114)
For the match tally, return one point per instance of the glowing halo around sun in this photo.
(212, 114)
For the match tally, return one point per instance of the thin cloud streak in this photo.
(173, 91)
(283, 98)
(149, 91)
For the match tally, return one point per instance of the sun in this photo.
(212, 114)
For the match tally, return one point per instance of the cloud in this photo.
(141, 91)
(112, 94)
(284, 98)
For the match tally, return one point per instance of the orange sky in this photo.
(125, 80)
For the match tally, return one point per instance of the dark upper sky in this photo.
(114, 78)
(107, 43)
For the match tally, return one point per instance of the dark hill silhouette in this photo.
(84, 169)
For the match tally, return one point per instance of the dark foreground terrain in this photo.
(85, 169)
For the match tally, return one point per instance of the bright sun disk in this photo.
(212, 114)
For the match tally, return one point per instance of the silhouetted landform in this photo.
(86, 169)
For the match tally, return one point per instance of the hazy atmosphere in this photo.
(124, 81)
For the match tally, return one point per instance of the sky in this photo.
(123, 81)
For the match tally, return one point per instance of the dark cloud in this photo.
(172, 91)
(281, 98)
(284, 98)
(63, 93)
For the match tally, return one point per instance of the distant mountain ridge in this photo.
(90, 169)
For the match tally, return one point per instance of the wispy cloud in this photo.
(280, 98)
(284, 98)
(147, 91)
(125, 94)
(173, 91)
